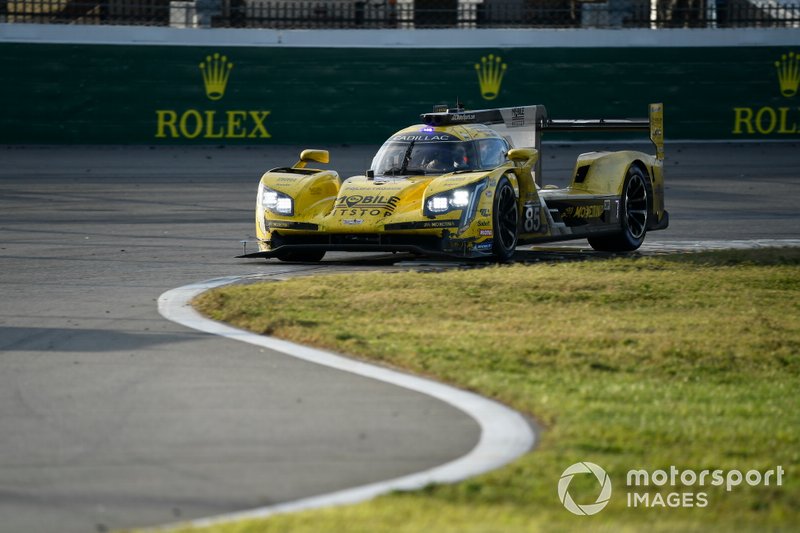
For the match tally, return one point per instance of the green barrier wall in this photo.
(158, 95)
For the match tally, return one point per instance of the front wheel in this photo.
(505, 221)
(634, 215)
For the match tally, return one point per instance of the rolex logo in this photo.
(206, 124)
(788, 73)
(490, 75)
(216, 69)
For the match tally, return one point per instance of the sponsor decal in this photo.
(440, 224)
(279, 224)
(486, 212)
(486, 233)
(482, 223)
(214, 123)
(583, 211)
(384, 189)
(769, 120)
(462, 117)
(360, 205)
(408, 137)
(490, 71)
(422, 225)
(485, 245)
(352, 221)
(517, 117)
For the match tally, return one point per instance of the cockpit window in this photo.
(492, 152)
(401, 156)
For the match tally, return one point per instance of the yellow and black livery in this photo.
(466, 184)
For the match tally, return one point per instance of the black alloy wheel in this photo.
(505, 221)
(634, 215)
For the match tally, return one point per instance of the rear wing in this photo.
(653, 124)
(524, 125)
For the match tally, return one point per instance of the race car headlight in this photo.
(269, 199)
(438, 204)
(284, 205)
(461, 198)
(275, 201)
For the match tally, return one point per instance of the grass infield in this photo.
(684, 360)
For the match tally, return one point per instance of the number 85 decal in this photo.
(532, 222)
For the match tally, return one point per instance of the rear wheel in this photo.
(505, 221)
(302, 256)
(634, 215)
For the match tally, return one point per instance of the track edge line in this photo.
(505, 434)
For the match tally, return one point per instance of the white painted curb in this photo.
(505, 434)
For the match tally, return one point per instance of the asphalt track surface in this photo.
(112, 417)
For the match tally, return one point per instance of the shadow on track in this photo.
(536, 254)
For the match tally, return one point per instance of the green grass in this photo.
(686, 360)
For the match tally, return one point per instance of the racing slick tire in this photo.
(505, 221)
(302, 256)
(634, 215)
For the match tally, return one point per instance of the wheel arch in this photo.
(512, 178)
(641, 165)
(604, 173)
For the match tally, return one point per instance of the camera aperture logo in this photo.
(636, 497)
(585, 509)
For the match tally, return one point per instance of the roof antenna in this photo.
(459, 105)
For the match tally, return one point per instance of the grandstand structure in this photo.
(407, 14)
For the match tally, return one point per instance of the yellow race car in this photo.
(466, 184)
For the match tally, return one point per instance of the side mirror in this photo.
(527, 156)
(318, 156)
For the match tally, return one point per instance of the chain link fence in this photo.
(404, 14)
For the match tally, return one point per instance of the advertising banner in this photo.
(123, 94)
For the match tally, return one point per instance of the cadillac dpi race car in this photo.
(456, 185)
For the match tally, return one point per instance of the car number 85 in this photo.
(533, 221)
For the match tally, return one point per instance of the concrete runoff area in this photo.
(113, 417)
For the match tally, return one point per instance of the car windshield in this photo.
(424, 157)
